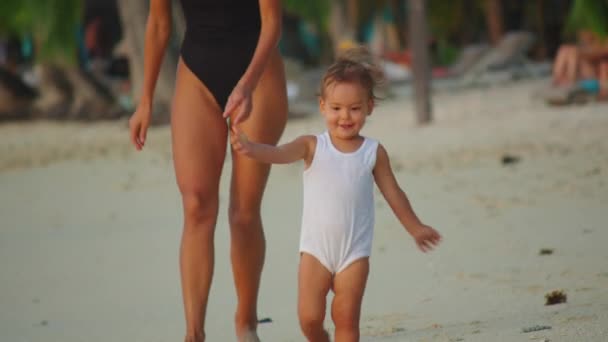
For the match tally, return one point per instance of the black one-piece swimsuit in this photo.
(221, 37)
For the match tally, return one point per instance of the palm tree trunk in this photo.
(420, 57)
(540, 21)
(494, 20)
(338, 27)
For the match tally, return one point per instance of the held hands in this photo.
(138, 125)
(240, 143)
(426, 237)
(239, 104)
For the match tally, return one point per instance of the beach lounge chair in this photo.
(505, 61)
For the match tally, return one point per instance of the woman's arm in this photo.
(301, 148)
(158, 31)
(270, 32)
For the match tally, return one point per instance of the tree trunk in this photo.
(541, 52)
(420, 59)
(90, 99)
(338, 25)
(493, 10)
(134, 15)
(71, 93)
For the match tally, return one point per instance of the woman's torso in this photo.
(217, 18)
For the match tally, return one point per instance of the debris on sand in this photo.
(555, 297)
(509, 159)
(535, 328)
(545, 251)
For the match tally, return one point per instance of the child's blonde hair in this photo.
(354, 65)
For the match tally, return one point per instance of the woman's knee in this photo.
(243, 218)
(200, 206)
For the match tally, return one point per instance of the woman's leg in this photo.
(199, 135)
(349, 286)
(247, 249)
(314, 282)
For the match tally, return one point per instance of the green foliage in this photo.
(446, 53)
(53, 25)
(314, 11)
(447, 18)
(444, 17)
(589, 15)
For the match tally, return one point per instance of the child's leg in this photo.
(349, 286)
(314, 282)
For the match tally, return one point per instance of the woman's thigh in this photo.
(199, 136)
(265, 125)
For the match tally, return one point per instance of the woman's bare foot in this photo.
(249, 336)
(196, 338)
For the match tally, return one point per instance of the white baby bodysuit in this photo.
(338, 213)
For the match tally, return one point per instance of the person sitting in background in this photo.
(597, 57)
(572, 62)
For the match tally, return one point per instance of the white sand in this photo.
(89, 229)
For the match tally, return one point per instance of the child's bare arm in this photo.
(298, 149)
(425, 236)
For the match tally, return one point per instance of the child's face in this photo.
(345, 106)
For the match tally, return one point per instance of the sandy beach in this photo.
(90, 228)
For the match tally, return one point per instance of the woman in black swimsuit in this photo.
(229, 67)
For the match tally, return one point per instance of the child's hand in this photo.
(426, 237)
(240, 143)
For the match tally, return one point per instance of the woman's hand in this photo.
(138, 125)
(239, 104)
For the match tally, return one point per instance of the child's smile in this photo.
(346, 126)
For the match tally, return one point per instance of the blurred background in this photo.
(82, 59)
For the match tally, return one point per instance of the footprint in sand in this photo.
(384, 325)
